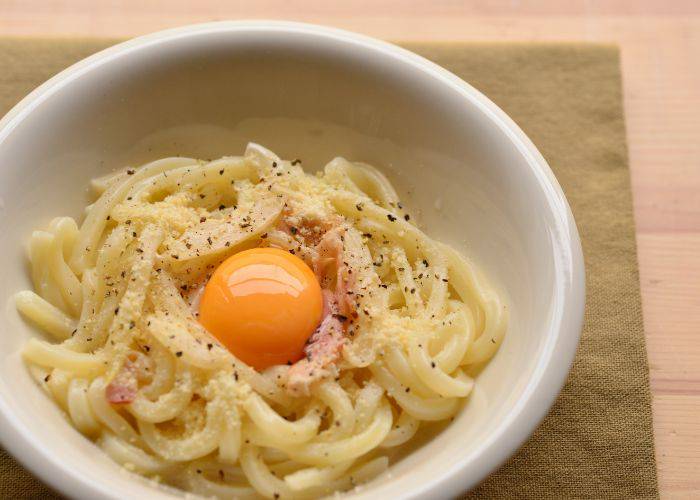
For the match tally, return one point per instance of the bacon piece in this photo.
(283, 225)
(330, 251)
(121, 392)
(325, 345)
(124, 386)
(309, 230)
(323, 349)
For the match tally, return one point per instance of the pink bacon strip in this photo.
(123, 388)
(330, 250)
(326, 343)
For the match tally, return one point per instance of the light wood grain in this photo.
(660, 43)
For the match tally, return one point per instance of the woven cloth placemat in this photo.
(597, 441)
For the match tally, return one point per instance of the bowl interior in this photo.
(303, 96)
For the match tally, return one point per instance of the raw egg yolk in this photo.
(262, 304)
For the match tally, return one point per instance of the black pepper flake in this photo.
(109, 217)
(221, 172)
(493, 341)
(432, 364)
(425, 263)
(131, 325)
(199, 471)
(127, 222)
(130, 172)
(274, 164)
(407, 217)
(202, 196)
(408, 389)
(209, 346)
(413, 290)
(47, 378)
(235, 375)
(228, 243)
(133, 233)
(176, 257)
(359, 207)
(245, 225)
(209, 240)
(221, 207)
(367, 235)
(178, 354)
(123, 274)
(390, 217)
(116, 311)
(202, 219)
(445, 280)
(296, 162)
(340, 317)
(263, 236)
(293, 230)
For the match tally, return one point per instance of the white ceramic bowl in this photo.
(303, 91)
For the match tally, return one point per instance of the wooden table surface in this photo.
(660, 44)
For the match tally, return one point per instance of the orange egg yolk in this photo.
(262, 304)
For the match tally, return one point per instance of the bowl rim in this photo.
(564, 328)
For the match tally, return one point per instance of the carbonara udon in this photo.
(401, 321)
